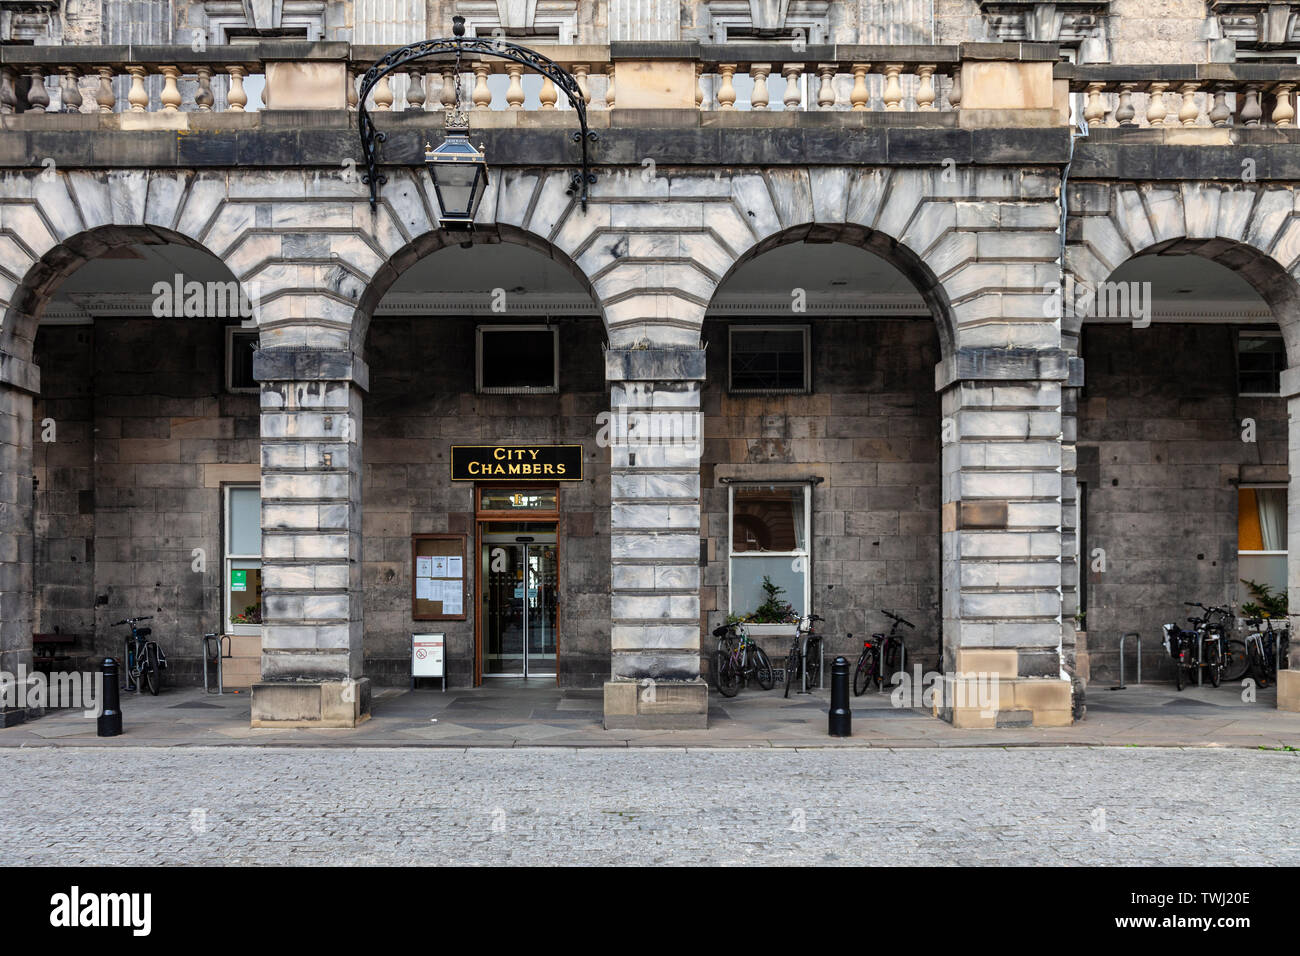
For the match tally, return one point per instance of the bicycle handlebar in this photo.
(895, 617)
(132, 620)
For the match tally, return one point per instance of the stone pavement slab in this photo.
(657, 803)
(525, 714)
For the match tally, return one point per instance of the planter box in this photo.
(771, 630)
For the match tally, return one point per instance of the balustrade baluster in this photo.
(893, 95)
(726, 89)
(37, 96)
(925, 88)
(860, 98)
(826, 89)
(1283, 111)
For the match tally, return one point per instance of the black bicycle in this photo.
(739, 658)
(1200, 649)
(1265, 646)
(805, 657)
(886, 648)
(143, 661)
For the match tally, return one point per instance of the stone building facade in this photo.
(817, 325)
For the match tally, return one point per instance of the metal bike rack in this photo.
(886, 686)
(821, 666)
(1137, 637)
(212, 645)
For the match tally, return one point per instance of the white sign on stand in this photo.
(428, 657)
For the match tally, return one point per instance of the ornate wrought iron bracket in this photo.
(458, 46)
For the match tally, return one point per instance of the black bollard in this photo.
(110, 714)
(840, 719)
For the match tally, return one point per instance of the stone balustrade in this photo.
(888, 78)
(121, 79)
(1206, 95)
(992, 84)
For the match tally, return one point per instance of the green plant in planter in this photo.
(773, 610)
(1267, 603)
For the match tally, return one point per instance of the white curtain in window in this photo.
(1272, 517)
(800, 511)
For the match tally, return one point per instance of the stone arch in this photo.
(1252, 230)
(431, 242)
(889, 249)
(528, 207)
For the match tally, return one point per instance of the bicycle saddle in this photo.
(144, 632)
(720, 630)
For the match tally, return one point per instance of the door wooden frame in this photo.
(487, 519)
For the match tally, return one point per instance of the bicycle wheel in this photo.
(813, 661)
(149, 671)
(729, 676)
(862, 673)
(1236, 661)
(1257, 665)
(792, 666)
(1178, 672)
(1216, 664)
(763, 669)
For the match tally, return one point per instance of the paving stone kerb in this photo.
(980, 239)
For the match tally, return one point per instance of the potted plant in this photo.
(774, 617)
(249, 615)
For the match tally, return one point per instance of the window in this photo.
(243, 560)
(768, 359)
(240, 346)
(1261, 538)
(518, 499)
(769, 548)
(1261, 356)
(518, 359)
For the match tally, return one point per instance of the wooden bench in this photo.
(47, 650)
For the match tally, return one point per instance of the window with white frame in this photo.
(242, 587)
(1261, 539)
(518, 359)
(768, 359)
(770, 551)
(1261, 357)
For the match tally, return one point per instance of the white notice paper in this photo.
(455, 568)
(439, 567)
(451, 603)
(424, 567)
(424, 589)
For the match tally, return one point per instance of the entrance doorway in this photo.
(519, 566)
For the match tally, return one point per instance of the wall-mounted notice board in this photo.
(439, 577)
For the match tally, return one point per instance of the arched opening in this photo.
(145, 457)
(495, 350)
(1182, 446)
(821, 467)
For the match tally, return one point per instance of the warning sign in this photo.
(427, 657)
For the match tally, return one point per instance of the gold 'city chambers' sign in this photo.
(516, 462)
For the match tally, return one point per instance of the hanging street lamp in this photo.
(458, 169)
(459, 173)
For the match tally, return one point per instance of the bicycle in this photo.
(888, 648)
(1200, 648)
(144, 661)
(1264, 648)
(739, 658)
(805, 658)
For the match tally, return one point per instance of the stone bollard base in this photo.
(1288, 689)
(344, 703)
(656, 705)
(992, 701)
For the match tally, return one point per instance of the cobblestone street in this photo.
(237, 805)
